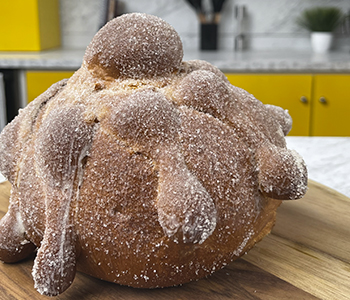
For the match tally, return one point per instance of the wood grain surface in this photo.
(307, 256)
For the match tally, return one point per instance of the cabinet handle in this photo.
(323, 100)
(303, 99)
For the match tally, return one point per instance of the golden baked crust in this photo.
(142, 169)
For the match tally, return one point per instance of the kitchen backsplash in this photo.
(268, 24)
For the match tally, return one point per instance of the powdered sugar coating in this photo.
(149, 123)
(204, 91)
(194, 65)
(282, 116)
(142, 169)
(136, 46)
(273, 181)
(146, 120)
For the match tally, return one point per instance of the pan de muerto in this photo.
(142, 169)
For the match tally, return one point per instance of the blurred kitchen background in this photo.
(268, 24)
(259, 46)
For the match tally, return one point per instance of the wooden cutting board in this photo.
(307, 256)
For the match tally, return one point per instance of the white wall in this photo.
(270, 24)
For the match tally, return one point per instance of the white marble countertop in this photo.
(327, 160)
(228, 61)
(275, 61)
(50, 59)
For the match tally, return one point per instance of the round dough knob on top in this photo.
(135, 46)
(142, 169)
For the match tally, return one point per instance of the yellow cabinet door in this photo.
(29, 25)
(39, 81)
(290, 91)
(331, 105)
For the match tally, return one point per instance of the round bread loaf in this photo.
(142, 169)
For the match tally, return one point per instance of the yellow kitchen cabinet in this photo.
(29, 25)
(290, 91)
(331, 105)
(39, 81)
